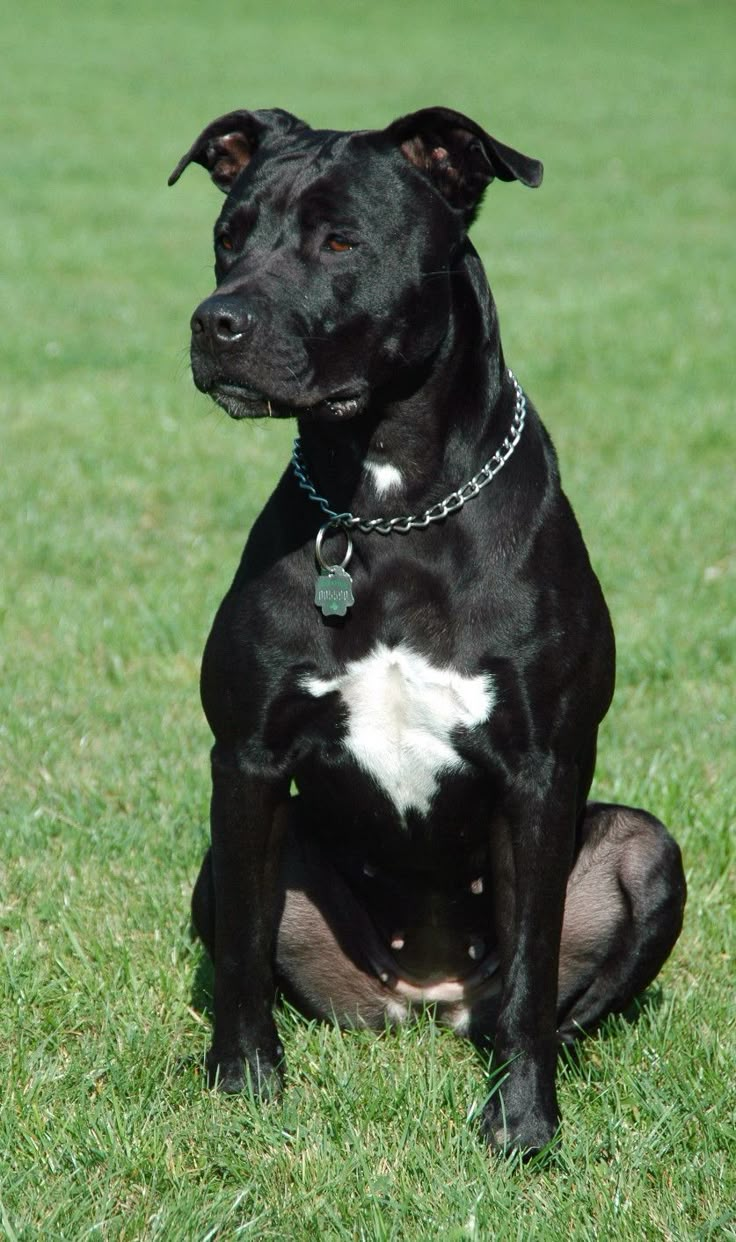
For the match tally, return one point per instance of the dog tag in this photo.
(334, 591)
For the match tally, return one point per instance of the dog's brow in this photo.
(244, 213)
(307, 168)
(327, 200)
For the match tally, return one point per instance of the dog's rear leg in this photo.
(623, 913)
(329, 960)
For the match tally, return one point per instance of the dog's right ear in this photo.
(227, 145)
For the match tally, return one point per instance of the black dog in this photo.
(436, 703)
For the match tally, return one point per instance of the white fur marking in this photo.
(447, 991)
(396, 1011)
(386, 478)
(402, 712)
(459, 1019)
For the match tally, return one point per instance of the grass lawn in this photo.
(126, 498)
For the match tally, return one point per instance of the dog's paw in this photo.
(508, 1134)
(258, 1071)
(225, 1073)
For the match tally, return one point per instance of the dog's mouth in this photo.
(240, 401)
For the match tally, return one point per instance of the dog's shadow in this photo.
(572, 1056)
(203, 982)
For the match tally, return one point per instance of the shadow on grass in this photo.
(572, 1055)
(204, 979)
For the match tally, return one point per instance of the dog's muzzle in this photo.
(222, 340)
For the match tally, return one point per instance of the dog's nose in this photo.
(226, 321)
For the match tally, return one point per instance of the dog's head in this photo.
(334, 253)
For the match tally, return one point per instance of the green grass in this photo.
(126, 499)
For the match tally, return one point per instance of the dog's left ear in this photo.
(459, 157)
(228, 143)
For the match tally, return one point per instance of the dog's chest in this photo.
(404, 716)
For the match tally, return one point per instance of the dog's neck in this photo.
(408, 451)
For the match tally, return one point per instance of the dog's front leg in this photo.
(246, 839)
(532, 852)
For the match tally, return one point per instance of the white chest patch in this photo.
(402, 712)
(386, 478)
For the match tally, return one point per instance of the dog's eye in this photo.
(337, 243)
(225, 241)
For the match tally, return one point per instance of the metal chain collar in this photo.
(450, 504)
